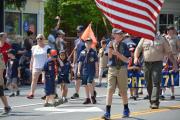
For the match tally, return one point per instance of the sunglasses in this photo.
(39, 38)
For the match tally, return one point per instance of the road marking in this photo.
(150, 111)
(54, 110)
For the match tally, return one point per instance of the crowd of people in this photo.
(121, 57)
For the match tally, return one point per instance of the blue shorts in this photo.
(87, 79)
(63, 79)
(49, 87)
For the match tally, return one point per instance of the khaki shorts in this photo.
(118, 78)
(1, 82)
(1, 77)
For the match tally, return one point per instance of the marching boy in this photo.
(133, 72)
(50, 73)
(63, 75)
(87, 66)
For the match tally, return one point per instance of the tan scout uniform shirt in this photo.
(103, 59)
(154, 50)
(174, 44)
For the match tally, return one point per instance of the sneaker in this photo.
(17, 93)
(173, 97)
(65, 100)
(6, 88)
(75, 96)
(154, 106)
(99, 85)
(106, 116)
(56, 103)
(61, 101)
(135, 97)
(56, 96)
(48, 105)
(95, 93)
(12, 95)
(93, 99)
(87, 101)
(131, 97)
(30, 96)
(7, 110)
(43, 97)
(126, 113)
(140, 93)
(162, 97)
(146, 97)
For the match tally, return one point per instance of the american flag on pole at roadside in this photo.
(137, 17)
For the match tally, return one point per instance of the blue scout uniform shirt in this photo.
(88, 62)
(63, 72)
(12, 68)
(49, 69)
(123, 49)
(80, 45)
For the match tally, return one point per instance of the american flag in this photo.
(137, 17)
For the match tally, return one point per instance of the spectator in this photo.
(103, 60)
(60, 43)
(39, 56)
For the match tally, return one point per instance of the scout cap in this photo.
(53, 53)
(116, 31)
(80, 28)
(89, 40)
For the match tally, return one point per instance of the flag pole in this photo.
(105, 24)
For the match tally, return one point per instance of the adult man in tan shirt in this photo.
(174, 42)
(153, 53)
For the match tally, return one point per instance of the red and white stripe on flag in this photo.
(137, 17)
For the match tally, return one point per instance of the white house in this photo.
(170, 15)
(32, 15)
(29, 17)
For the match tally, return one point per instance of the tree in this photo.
(18, 3)
(73, 13)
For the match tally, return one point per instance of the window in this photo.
(29, 23)
(13, 23)
(164, 21)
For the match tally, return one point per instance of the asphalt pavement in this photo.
(26, 109)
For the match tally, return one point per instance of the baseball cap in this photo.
(131, 48)
(53, 53)
(11, 51)
(116, 31)
(61, 32)
(80, 28)
(88, 40)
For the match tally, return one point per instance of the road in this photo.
(25, 109)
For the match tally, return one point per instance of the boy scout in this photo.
(117, 73)
(153, 53)
(87, 66)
